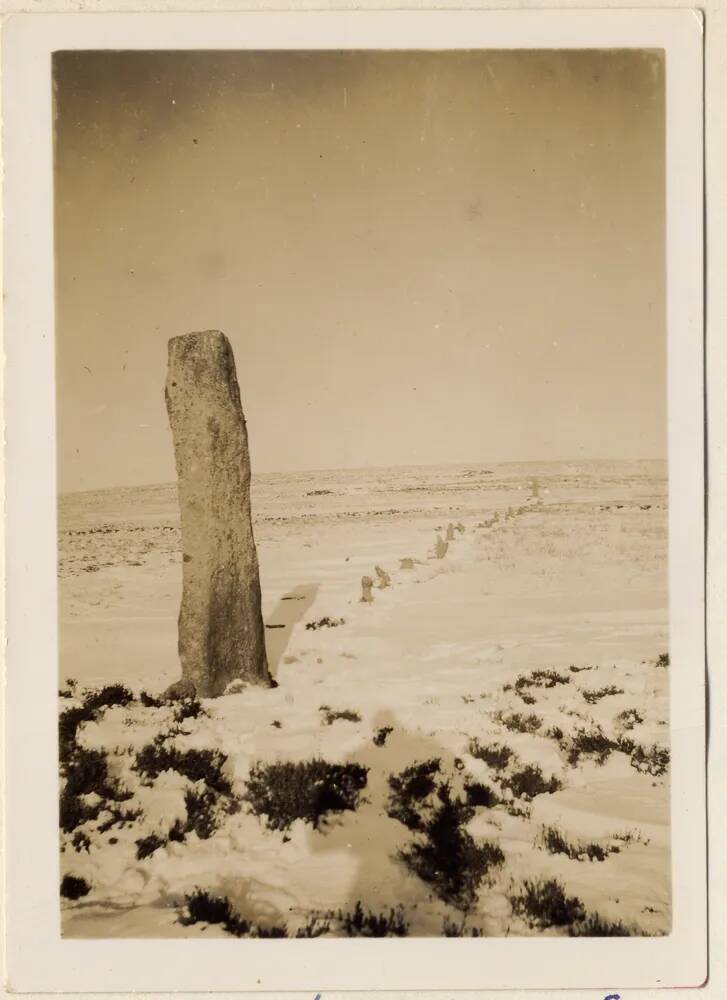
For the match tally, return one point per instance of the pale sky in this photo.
(417, 257)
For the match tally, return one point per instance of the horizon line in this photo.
(362, 468)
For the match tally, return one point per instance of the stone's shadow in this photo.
(372, 842)
(289, 610)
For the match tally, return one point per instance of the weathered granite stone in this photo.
(383, 578)
(221, 635)
(367, 584)
(440, 547)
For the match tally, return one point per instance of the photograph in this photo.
(363, 493)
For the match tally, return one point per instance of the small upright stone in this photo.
(450, 533)
(440, 547)
(367, 585)
(383, 578)
(221, 634)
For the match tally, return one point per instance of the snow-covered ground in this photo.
(572, 582)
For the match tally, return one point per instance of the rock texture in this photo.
(367, 584)
(221, 634)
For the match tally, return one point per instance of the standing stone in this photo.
(367, 585)
(450, 532)
(383, 578)
(221, 634)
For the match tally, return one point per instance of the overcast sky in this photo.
(417, 257)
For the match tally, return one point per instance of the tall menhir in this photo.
(221, 632)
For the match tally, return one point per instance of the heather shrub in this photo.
(381, 735)
(518, 723)
(107, 697)
(409, 790)
(495, 755)
(629, 718)
(307, 790)
(363, 923)
(529, 782)
(325, 622)
(68, 724)
(555, 842)
(480, 795)
(540, 679)
(204, 907)
(74, 887)
(543, 903)
(447, 858)
(197, 765)
(595, 695)
(653, 760)
(595, 926)
(330, 715)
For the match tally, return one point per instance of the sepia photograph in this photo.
(363, 503)
(356, 502)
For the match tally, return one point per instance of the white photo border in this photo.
(38, 959)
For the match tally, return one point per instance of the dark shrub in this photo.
(307, 790)
(197, 765)
(119, 817)
(496, 755)
(201, 817)
(448, 859)
(450, 929)
(146, 846)
(529, 781)
(86, 772)
(556, 843)
(203, 907)
(653, 760)
(596, 926)
(518, 723)
(68, 724)
(381, 735)
(73, 887)
(81, 841)
(189, 708)
(629, 718)
(73, 811)
(555, 733)
(480, 795)
(409, 789)
(577, 670)
(315, 926)
(593, 696)
(368, 924)
(625, 744)
(150, 701)
(325, 622)
(527, 698)
(540, 679)
(588, 743)
(545, 904)
(330, 716)
(107, 697)
(662, 660)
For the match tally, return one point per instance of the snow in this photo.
(572, 578)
